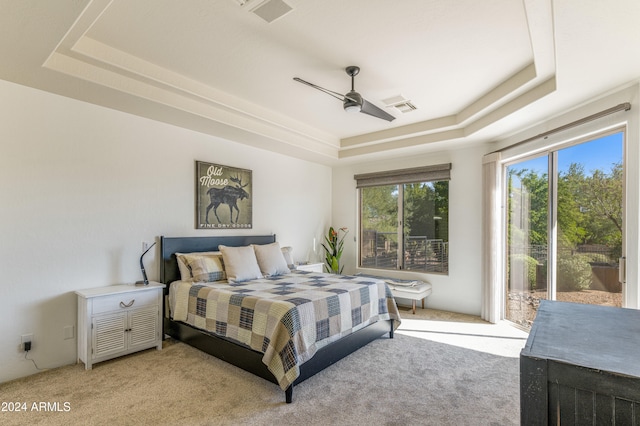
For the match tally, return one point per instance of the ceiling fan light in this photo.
(352, 102)
(351, 106)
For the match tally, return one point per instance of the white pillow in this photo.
(240, 263)
(270, 259)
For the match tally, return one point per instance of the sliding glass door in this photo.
(565, 227)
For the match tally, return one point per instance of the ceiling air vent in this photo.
(269, 10)
(405, 107)
(400, 103)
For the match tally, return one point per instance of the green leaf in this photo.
(334, 264)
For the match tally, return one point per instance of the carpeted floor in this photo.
(440, 369)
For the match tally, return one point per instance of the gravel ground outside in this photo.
(522, 306)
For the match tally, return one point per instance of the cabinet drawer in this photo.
(130, 300)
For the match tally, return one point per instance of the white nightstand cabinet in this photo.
(118, 320)
(311, 267)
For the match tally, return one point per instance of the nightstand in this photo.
(311, 267)
(118, 320)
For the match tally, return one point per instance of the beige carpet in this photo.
(440, 369)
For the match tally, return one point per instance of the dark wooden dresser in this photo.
(581, 366)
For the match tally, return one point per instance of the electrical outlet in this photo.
(24, 340)
(145, 246)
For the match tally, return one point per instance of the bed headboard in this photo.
(170, 245)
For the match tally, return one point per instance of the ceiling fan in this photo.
(352, 101)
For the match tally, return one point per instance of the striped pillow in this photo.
(206, 266)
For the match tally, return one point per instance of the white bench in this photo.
(416, 292)
(405, 289)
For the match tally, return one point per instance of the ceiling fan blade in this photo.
(352, 100)
(371, 109)
(336, 95)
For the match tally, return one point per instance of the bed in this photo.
(285, 361)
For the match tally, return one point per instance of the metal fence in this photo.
(380, 250)
(595, 252)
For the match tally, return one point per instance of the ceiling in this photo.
(474, 70)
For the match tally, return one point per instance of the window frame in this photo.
(401, 177)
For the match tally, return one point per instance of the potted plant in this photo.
(333, 249)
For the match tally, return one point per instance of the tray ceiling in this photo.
(473, 70)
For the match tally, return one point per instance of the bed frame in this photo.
(239, 354)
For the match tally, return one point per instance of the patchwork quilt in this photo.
(287, 317)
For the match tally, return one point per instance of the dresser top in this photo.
(117, 289)
(598, 337)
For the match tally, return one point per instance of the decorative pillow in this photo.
(287, 252)
(240, 263)
(185, 272)
(270, 259)
(201, 266)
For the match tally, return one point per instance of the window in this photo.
(404, 219)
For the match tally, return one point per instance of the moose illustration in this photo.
(228, 195)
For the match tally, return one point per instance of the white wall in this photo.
(459, 291)
(82, 186)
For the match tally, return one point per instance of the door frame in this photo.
(550, 147)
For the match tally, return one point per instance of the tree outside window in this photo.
(405, 226)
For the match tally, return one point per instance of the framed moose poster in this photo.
(223, 197)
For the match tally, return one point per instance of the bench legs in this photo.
(413, 305)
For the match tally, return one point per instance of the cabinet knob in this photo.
(127, 305)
